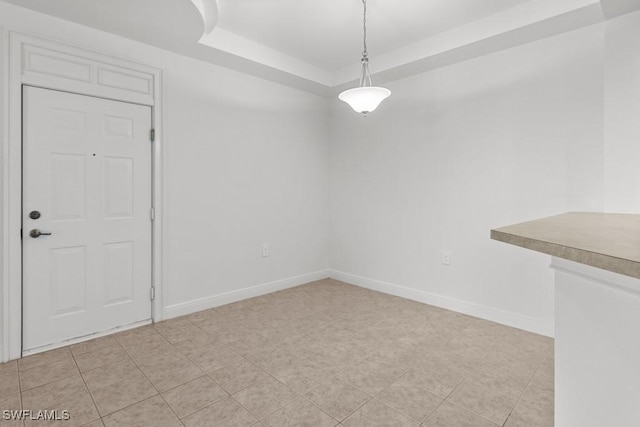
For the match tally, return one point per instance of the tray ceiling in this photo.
(316, 45)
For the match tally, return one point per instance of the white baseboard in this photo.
(193, 306)
(483, 312)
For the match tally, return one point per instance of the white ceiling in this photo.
(328, 33)
(316, 45)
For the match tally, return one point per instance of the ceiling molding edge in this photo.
(535, 30)
(231, 43)
(209, 11)
(534, 20)
(614, 8)
(538, 18)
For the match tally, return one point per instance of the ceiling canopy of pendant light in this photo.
(366, 97)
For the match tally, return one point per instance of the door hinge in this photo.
(21, 234)
(153, 292)
(153, 135)
(152, 214)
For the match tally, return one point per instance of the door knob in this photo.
(35, 233)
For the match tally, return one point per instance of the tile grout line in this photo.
(517, 400)
(547, 353)
(304, 397)
(93, 400)
(22, 389)
(471, 412)
(126, 407)
(288, 388)
(446, 399)
(406, 415)
(169, 406)
(312, 403)
(229, 395)
(49, 382)
(131, 359)
(228, 366)
(204, 407)
(442, 402)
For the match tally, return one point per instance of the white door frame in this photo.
(53, 65)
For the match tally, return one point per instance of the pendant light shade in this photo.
(365, 98)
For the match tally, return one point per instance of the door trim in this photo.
(32, 61)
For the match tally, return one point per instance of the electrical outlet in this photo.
(265, 250)
(446, 257)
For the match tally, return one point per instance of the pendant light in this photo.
(366, 97)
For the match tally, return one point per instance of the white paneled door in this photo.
(87, 182)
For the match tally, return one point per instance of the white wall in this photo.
(245, 163)
(622, 114)
(454, 152)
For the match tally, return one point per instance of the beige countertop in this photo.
(603, 240)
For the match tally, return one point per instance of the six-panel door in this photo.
(87, 172)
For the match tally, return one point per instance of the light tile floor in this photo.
(322, 354)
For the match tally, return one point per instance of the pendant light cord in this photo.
(364, 29)
(365, 76)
